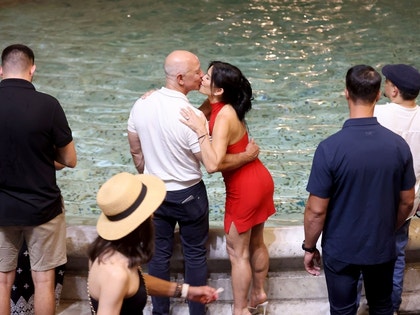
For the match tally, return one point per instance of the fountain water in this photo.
(295, 54)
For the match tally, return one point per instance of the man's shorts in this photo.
(46, 245)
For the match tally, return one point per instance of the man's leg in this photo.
(194, 230)
(378, 287)
(159, 264)
(194, 248)
(6, 282)
(44, 297)
(47, 250)
(401, 243)
(342, 280)
(11, 239)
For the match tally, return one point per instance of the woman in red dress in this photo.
(249, 188)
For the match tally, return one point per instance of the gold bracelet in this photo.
(178, 290)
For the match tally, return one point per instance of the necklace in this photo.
(90, 300)
(142, 278)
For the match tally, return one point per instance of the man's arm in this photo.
(234, 161)
(65, 156)
(136, 152)
(314, 219)
(206, 108)
(58, 166)
(405, 206)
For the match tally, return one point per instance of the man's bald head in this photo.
(183, 72)
(178, 62)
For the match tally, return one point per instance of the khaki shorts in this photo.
(46, 245)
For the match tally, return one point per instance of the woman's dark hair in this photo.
(138, 246)
(237, 90)
(363, 83)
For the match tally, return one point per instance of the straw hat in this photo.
(126, 201)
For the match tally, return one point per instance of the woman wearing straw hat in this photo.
(116, 284)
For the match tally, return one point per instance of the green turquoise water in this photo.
(97, 57)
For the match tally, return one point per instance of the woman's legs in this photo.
(259, 265)
(238, 249)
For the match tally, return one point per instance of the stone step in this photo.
(298, 307)
(289, 292)
(274, 308)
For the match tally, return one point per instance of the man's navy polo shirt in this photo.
(362, 169)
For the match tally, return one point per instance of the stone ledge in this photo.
(291, 290)
(283, 243)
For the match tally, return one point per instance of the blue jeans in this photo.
(398, 278)
(342, 282)
(402, 240)
(190, 209)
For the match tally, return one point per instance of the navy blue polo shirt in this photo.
(32, 125)
(362, 169)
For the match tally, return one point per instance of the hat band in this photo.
(130, 209)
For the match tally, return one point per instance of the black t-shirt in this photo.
(32, 125)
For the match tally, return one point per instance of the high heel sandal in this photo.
(259, 309)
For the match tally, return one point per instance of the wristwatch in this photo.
(309, 250)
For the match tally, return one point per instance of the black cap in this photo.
(405, 77)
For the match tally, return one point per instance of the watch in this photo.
(309, 250)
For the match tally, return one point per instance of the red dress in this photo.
(249, 189)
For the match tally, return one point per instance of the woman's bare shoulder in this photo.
(227, 112)
(112, 269)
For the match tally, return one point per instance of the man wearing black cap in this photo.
(402, 116)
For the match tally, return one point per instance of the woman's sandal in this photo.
(259, 309)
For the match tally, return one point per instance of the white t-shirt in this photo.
(405, 122)
(167, 144)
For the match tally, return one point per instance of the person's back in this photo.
(28, 132)
(361, 189)
(35, 141)
(365, 192)
(402, 116)
(406, 123)
(168, 145)
(401, 120)
(162, 146)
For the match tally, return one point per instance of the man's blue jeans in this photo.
(398, 278)
(190, 209)
(342, 282)
(402, 240)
